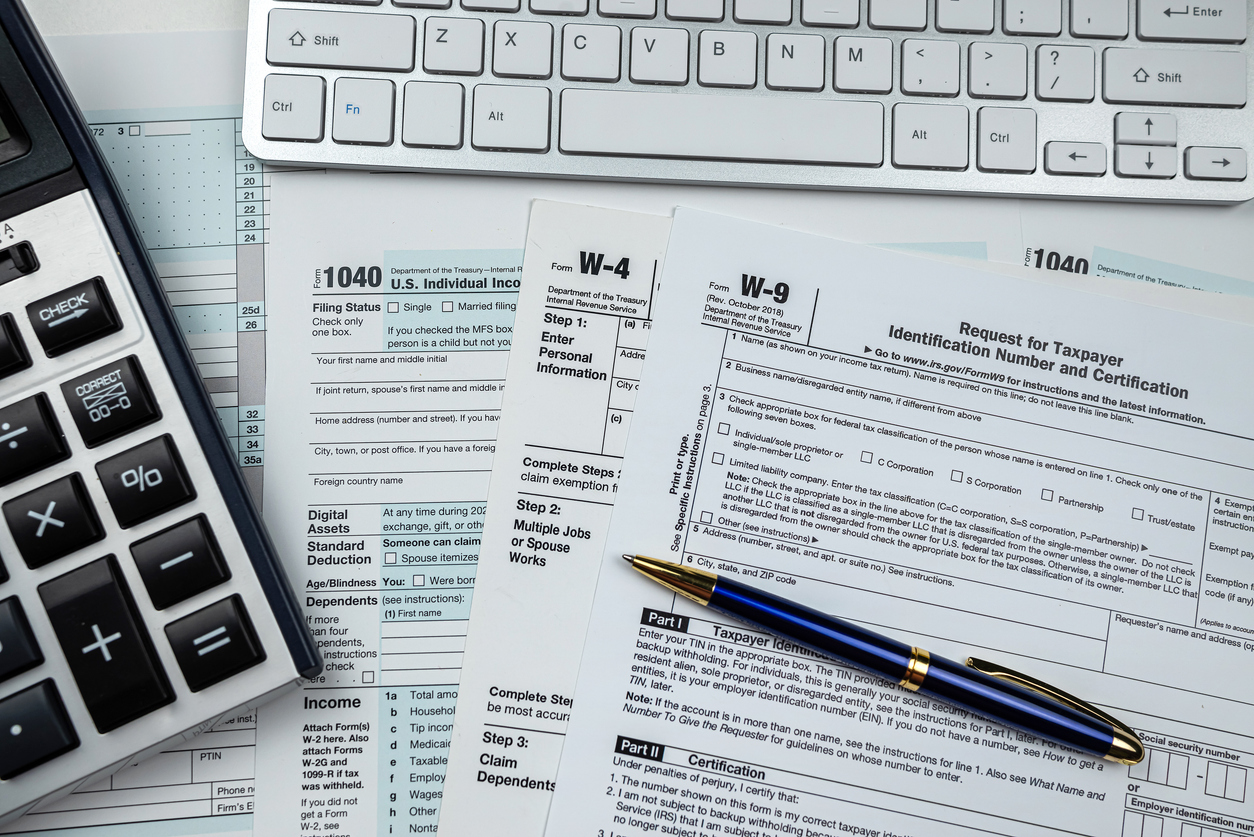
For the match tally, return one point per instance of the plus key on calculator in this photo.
(140, 599)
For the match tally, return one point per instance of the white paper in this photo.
(798, 447)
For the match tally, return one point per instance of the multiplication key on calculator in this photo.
(140, 598)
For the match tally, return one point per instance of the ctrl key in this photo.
(33, 729)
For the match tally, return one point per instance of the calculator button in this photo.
(145, 481)
(180, 562)
(52, 521)
(110, 401)
(29, 438)
(17, 261)
(33, 729)
(13, 355)
(214, 643)
(4, 574)
(18, 649)
(77, 315)
(105, 644)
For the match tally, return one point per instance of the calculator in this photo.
(140, 598)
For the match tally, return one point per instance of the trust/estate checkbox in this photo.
(724, 428)
(1047, 495)
(716, 458)
(955, 476)
(867, 457)
(707, 517)
(394, 307)
(447, 307)
(1138, 514)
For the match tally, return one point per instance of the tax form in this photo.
(1057, 481)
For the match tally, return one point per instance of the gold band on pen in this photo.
(916, 669)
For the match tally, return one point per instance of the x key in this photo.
(52, 521)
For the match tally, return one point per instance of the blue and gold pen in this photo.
(996, 693)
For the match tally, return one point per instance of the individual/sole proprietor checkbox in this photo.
(1047, 495)
(868, 457)
(955, 476)
(716, 458)
(724, 428)
(1138, 514)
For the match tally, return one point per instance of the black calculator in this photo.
(140, 598)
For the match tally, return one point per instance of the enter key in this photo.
(1174, 77)
(1207, 20)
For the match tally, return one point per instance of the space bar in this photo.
(719, 127)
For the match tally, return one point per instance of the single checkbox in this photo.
(1138, 514)
(723, 428)
(367, 677)
(420, 580)
(716, 458)
(955, 476)
(707, 517)
(1047, 495)
(389, 557)
(394, 307)
(868, 457)
(446, 307)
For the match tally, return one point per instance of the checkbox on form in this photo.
(1138, 514)
(394, 307)
(868, 457)
(389, 557)
(420, 580)
(724, 428)
(707, 517)
(716, 458)
(955, 476)
(1047, 495)
(447, 307)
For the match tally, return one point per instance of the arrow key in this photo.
(73, 317)
(1205, 163)
(1145, 128)
(1076, 158)
(1145, 161)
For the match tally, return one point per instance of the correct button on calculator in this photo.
(33, 729)
(77, 315)
(214, 643)
(180, 562)
(145, 481)
(105, 644)
(52, 521)
(110, 401)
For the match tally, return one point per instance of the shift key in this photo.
(1174, 77)
(347, 40)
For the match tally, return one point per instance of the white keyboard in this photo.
(1114, 99)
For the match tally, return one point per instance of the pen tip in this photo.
(630, 559)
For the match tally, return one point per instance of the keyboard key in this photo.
(1214, 20)
(627, 8)
(1064, 73)
(1079, 158)
(1145, 161)
(591, 53)
(710, 10)
(453, 45)
(1099, 18)
(13, 356)
(659, 56)
(863, 65)
(73, 317)
(18, 649)
(1205, 163)
(52, 521)
(795, 62)
(930, 136)
(727, 59)
(1145, 128)
(17, 261)
(491, 5)
(292, 108)
(1007, 140)
(1174, 77)
(344, 40)
(433, 114)
(1032, 17)
(760, 128)
(215, 643)
(842, 13)
(964, 16)
(145, 481)
(363, 111)
(929, 68)
(180, 562)
(762, 11)
(110, 401)
(510, 118)
(105, 644)
(29, 438)
(522, 50)
(559, 7)
(33, 729)
(423, 4)
(898, 14)
(998, 71)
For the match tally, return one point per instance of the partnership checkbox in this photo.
(1047, 495)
